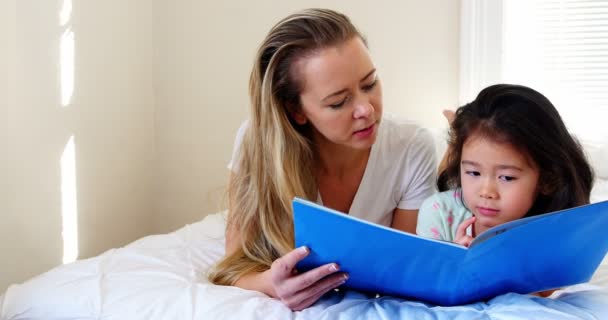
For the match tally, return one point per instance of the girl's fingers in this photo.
(465, 241)
(462, 228)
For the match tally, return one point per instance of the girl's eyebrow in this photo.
(507, 166)
(500, 166)
(469, 162)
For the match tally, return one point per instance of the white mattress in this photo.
(164, 277)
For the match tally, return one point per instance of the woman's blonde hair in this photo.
(275, 162)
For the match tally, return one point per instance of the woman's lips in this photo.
(364, 133)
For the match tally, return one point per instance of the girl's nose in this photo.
(488, 191)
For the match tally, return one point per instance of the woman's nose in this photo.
(363, 108)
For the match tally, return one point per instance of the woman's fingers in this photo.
(449, 115)
(308, 296)
(282, 268)
(311, 277)
(300, 290)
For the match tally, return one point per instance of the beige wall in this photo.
(110, 116)
(160, 89)
(206, 49)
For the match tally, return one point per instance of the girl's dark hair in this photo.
(528, 121)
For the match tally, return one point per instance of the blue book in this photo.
(528, 255)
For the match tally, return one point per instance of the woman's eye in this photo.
(473, 173)
(339, 104)
(370, 86)
(507, 178)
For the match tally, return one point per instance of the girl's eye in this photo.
(473, 173)
(339, 104)
(370, 86)
(507, 178)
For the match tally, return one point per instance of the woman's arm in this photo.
(257, 281)
(282, 281)
(296, 291)
(405, 220)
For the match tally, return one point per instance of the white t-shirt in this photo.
(400, 172)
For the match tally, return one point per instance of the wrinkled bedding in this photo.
(164, 277)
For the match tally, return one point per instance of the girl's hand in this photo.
(298, 291)
(461, 233)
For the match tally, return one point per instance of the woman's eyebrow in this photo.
(368, 75)
(339, 92)
(334, 94)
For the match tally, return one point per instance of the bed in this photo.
(164, 277)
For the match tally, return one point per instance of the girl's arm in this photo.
(431, 219)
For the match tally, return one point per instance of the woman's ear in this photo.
(299, 118)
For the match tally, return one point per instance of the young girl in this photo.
(510, 156)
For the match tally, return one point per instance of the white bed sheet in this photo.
(164, 277)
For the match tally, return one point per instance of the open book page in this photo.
(533, 254)
(492, 232)
(346, 216)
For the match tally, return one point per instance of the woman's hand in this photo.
(298, 291)
(461, 233)
(545, 294)
(449, 115)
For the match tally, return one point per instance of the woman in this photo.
(316, 113)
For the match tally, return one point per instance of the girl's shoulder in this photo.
(446, 201)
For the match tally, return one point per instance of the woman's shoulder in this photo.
(399, 131)
(400, 139)
(400, 125)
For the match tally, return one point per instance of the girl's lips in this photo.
(488, 212)
(365, 132)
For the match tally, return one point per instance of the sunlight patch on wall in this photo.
(69, 205)
(69, 208)
(67, 67)
(66, 12)
(66, 54)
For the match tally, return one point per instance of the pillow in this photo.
(597, 153)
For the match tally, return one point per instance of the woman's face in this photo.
(341, 95)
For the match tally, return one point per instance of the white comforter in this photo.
(164, 277)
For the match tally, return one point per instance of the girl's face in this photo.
(341, 95)
(499, 183)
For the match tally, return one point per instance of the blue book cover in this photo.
(528, 255)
